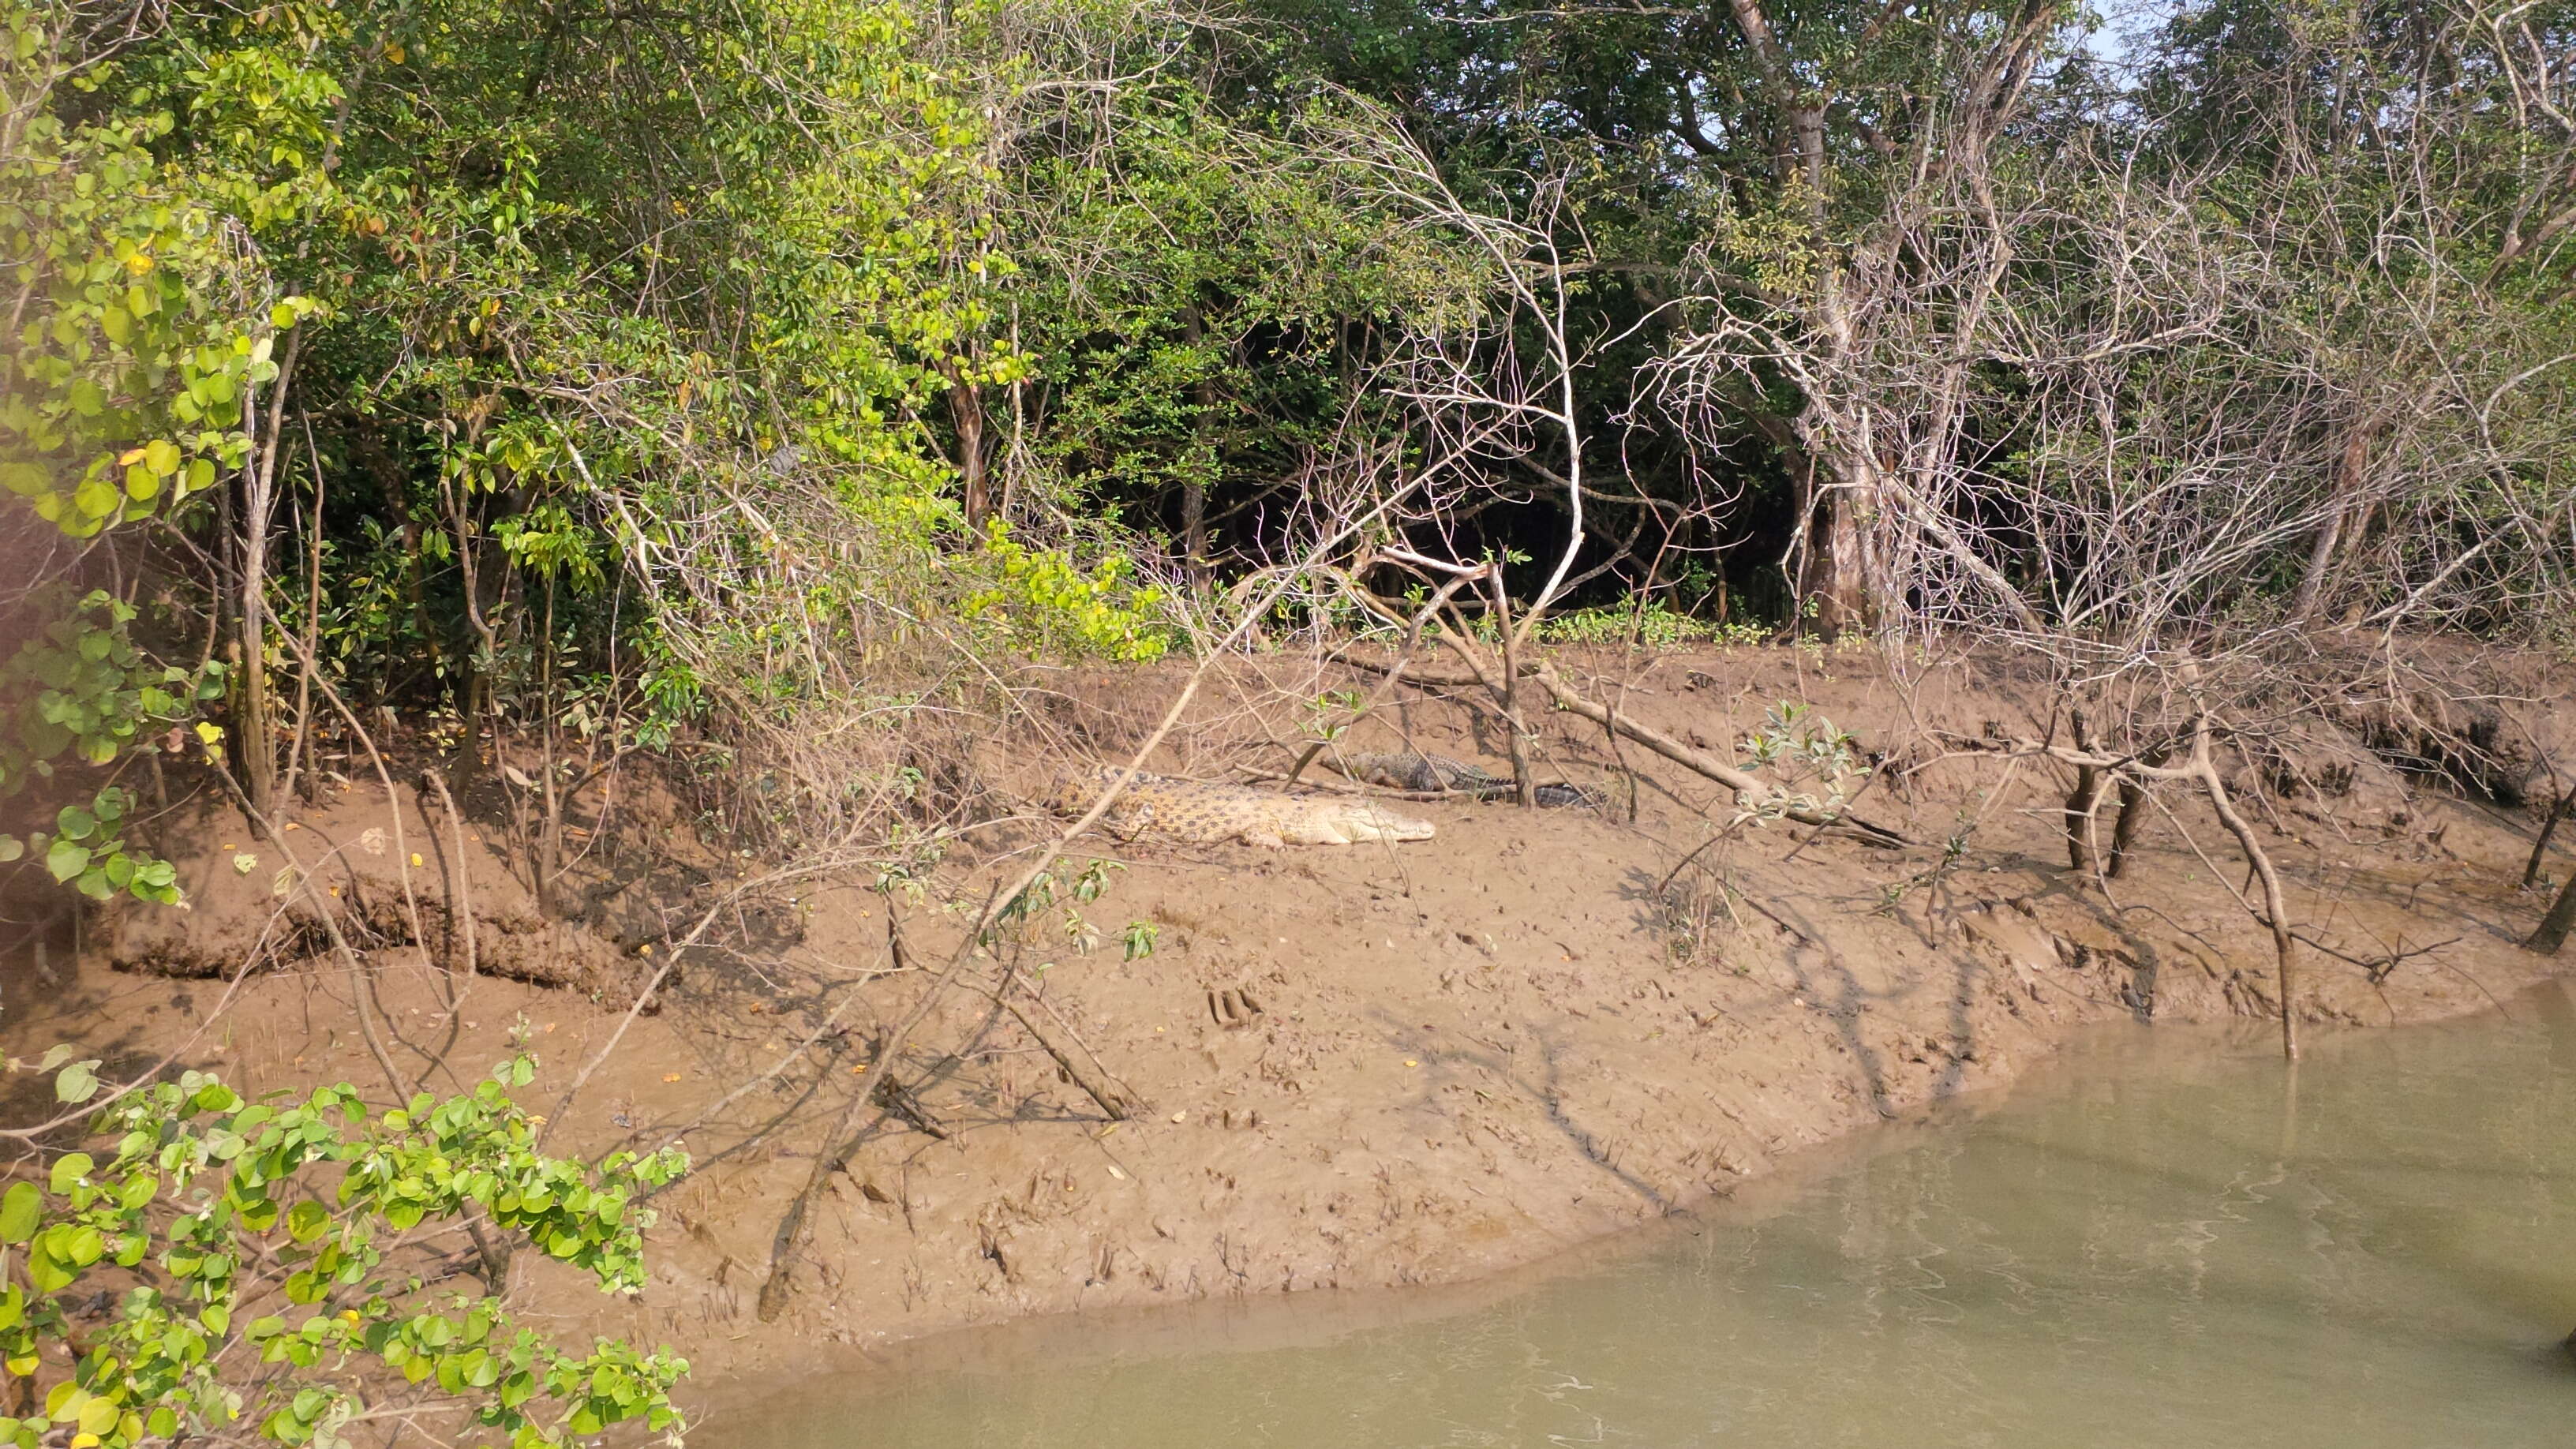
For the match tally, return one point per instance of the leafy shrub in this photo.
(1045, 602)
(252, 1262)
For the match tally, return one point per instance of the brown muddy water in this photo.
(2164, 1240)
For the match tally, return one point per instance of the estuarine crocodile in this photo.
(1425, 773)
(1195, 810)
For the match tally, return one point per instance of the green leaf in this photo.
(71, 1167)
(77, 1083)
(21, 1209)
(307, 1220)
(47, 1274)
(96, 498)
(66, 860)
(74, 823)
(11, 848)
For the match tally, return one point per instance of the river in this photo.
(2163, 1239)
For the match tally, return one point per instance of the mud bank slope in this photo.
(1394, 1064)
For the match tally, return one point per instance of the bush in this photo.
(263, 1277)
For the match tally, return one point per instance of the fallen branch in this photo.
(1750, 790)
(1113, 1096)
(846, 1134)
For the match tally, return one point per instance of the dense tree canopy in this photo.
(604, 372)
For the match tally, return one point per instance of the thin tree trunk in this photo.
(2133, 810)
(2276, 904)
(250, 645)
(2350, 470)
(2081, 802)
(295, 760)
(1194, 543)
(966, 413)
(550, 829)
(1524, 789)
(2124, 831)
(258, 745)
(2540, 848)
(2554, 927)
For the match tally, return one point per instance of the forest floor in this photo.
(1448, 1057)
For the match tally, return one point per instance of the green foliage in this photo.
(272, 1234)
(144, 327)
(1047, 603)
(1139, 939)
(84, 690)
(83, 693)
(1816, 766)
(89, 852)
(1653, 625)
(1200, 286)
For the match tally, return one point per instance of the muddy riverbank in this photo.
(1363, 1067)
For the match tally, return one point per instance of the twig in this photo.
(1113, 1096)
(460, 896)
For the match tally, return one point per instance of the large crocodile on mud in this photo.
(1205, 813)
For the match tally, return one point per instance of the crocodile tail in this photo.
(1559, 797)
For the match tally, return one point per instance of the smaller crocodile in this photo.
(1205, 813)
(1427, 773)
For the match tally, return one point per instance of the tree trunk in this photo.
(966, 410)
(2276, 904)
(1194, 544)
(257, 746)
(2555, 926)
(2350, 470)
(2548, 829)
(1524, 789)
(2081, 802)
(1840, 589)
(2133, 809)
